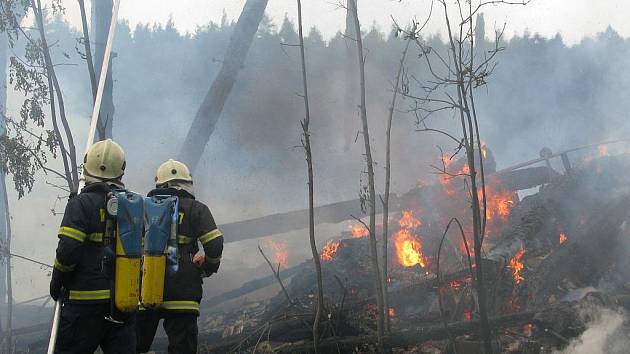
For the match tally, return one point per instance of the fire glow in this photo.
(516, 266)
(409, 246)
(563, 238)
(499, 203)
(280, 251)
(468, 315)
(329, 250)
(358, 231)
(392, 312)
(408, 221)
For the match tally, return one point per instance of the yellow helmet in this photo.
(104, 160)
(172, 170)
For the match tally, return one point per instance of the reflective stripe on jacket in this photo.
(183, 290)
(80, 248)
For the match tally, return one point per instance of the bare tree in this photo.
(306, 143)
(210, 109)
(455, 76)
(371, 196)
(409, 37)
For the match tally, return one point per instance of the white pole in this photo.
(90, 140)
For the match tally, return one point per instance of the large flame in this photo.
(499, 202)
(409, 246)
(329, 250)
(409, 249)
(516, 266)
(280, 251)
(408, 221)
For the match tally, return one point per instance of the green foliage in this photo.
(11, 13)
(26, 142)
(22, 155)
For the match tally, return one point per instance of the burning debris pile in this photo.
(549, 258)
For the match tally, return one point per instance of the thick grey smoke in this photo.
(605, 334)
(543, 93)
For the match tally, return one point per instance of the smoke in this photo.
(542, 93)
(605, 334)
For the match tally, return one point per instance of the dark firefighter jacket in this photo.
(183, 290)
(80, 250)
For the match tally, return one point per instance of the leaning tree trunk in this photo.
(380, 324)
(212, 105)
(101, 19)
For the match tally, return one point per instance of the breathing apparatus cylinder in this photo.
(160, 228)
(128, 251)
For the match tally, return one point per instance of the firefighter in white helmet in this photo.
(183, 291)
(77, 275)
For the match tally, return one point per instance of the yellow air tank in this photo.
(160, 226)
(128, 251)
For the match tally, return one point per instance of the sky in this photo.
(573, 19)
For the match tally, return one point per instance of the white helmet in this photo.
(104, 160)
(172, 170)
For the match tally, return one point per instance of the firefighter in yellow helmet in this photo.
(183, 291)
(77, 276)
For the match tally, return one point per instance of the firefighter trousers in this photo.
(181, 330)
(83, 328)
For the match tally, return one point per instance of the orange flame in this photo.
(455, 285)
(329, 250)
(280, 251)
(358, 231)
(563, 238)
(407, 220)
(516, 266)
(409, 249)
(445, 179)
(392, 312)
(499, 202)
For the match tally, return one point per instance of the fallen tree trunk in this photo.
(347, 210)
(412, 336)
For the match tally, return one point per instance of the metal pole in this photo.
(97, 105)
